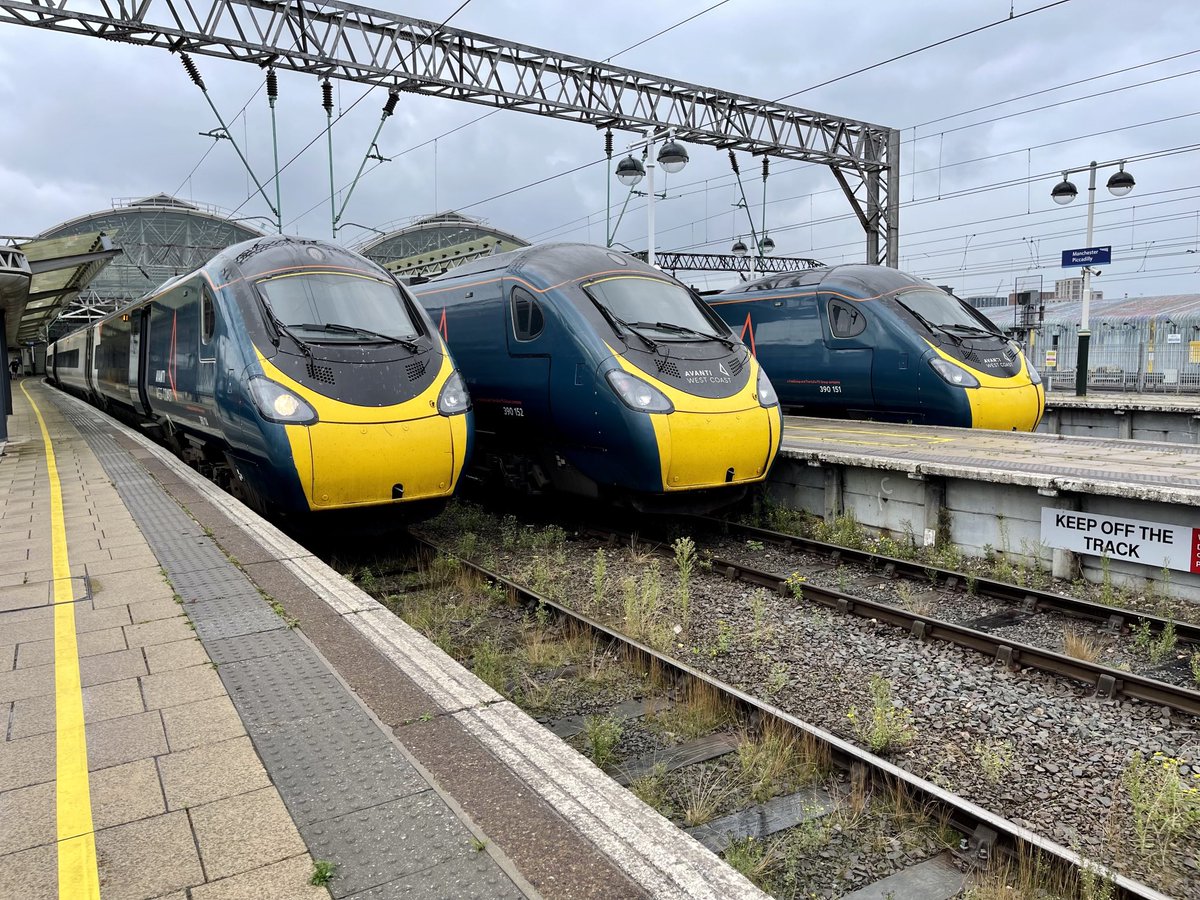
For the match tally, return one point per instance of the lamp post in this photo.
(1120, 183)
(672, 157)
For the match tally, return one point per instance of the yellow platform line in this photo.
(78, 877)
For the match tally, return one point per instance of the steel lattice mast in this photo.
(338, 40)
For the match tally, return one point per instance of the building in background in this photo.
(159, 236)
(1072, 289)
(431, 245)
(1138, 344)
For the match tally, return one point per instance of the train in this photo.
(596, 375)
(870, 342)
(299, 375)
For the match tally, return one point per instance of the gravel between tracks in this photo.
(1066, 752)
(1041, 629)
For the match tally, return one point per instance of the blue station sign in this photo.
(1087, 256)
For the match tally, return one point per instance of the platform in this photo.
(1173, 418)
(985, 490)
(169, 733)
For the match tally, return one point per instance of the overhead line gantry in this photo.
(354, 43)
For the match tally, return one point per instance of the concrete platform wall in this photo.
(1171, 426)
(981, 516)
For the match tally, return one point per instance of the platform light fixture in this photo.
(1120, 183)
(672, 156)
(739, 248)
(767, 246)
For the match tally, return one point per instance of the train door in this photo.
(138, 357)
(849, 357)
(526, 412)
(89, 355)
(788, 344)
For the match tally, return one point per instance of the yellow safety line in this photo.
(78, 877)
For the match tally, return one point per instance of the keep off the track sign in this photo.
(1151, 543)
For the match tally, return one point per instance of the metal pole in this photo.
(650, 196)
(608, 176)
(272, 93)
(1085, 335)
(388, 108)
(766, 171)
(327, 102)
(5, 387)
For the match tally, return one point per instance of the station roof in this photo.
(434, 244)
(1125, 309)
(43, 275)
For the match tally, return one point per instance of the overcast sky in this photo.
(87, 121)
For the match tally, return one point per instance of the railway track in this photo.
(984, 833)
(1107, 682)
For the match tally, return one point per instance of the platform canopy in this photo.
(52, 271)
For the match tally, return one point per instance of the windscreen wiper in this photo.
(929, 325)
(280, 329)
(339, 328)
(683, 329)
(975, 329)
(618, 323)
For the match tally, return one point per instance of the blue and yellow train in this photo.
(595, 374)
(869, 342)
(297, 373)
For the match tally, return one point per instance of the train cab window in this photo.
(528, 320)
(845, 319)
(208, 317)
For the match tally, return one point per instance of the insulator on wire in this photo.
(193, 72)
(327, 96)
(734, 163)
(272, 84)
(766, 167)
(608, 143)
(392, 100)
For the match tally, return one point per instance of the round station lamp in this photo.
(630, 171)
(673, 156)
(1121, 182)
(739, 248)
(1064, 192)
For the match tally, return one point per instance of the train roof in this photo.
(853, 278)
(556, 262)
(261, 255)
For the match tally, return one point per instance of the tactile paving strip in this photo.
(355, 798)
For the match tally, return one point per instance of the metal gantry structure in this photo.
(727, 262)
(337, 40)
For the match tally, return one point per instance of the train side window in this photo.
(528, 320)
(208, 317)
(846, 319)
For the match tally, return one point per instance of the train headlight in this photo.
(1034, 377)
(638, 394)
(454, 399)
(952, 374)
(765, 390)
(277, 404)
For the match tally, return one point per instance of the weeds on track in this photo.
(1080, 645)
(884, 726)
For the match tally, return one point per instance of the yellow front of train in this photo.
(712, 442)
(1001, 402)
(356, 455)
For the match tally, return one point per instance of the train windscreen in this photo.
(657, 306)
(337, 307)
(939, 311)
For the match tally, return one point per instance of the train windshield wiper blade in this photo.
(339, 328)
(974, 329)
(683, 329)
(280, 328)
(618, 323)
(929, 325)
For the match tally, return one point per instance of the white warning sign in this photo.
(1151, 543)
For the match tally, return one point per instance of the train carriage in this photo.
(296, 371)
(869, 342)
(595, 374)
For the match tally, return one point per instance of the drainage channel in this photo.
(790, 817)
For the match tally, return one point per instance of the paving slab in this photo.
(286, 880)
(211, 721)
(211, 772)
(244, 832)
(126, 793)
(147, 858)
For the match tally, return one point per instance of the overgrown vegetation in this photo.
(685, 560)
(601, 735)
(885, 726)
(1163, 805)
(1080, 645)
